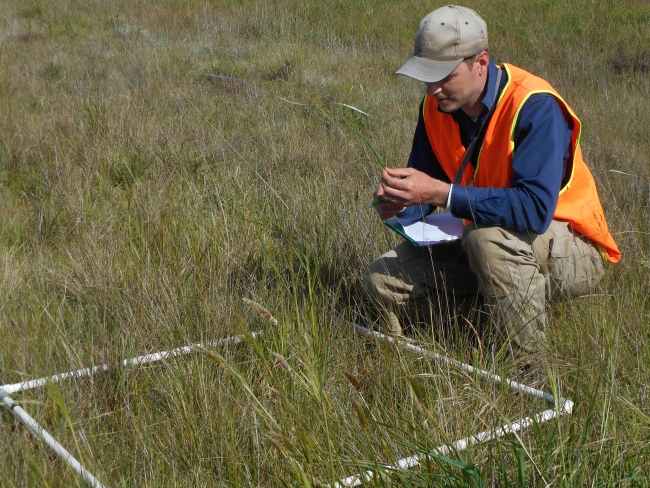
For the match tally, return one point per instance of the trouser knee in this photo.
(509, 280)
(483, 245)
(377, 280)
(368, 282)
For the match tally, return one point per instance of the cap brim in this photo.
(427, 70)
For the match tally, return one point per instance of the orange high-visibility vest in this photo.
(578, 202)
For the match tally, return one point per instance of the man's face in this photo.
(463, 88)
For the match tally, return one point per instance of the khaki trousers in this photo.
(513, 273)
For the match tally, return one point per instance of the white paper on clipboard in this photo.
(434, 229)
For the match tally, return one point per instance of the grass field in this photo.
(161, 161)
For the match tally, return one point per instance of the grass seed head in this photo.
(263, 312)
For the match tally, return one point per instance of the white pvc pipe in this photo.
(149, 358)
(460, 445)
(564, 406)
(41, 433)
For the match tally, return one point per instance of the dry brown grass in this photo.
(142, 199)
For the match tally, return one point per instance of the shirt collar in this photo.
(489, 93)
(460, 116)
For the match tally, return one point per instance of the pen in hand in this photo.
(377, 201)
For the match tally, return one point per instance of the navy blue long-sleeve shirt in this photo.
(542, 140)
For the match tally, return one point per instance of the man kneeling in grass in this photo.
(498, 147)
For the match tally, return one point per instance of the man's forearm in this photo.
(512, 208)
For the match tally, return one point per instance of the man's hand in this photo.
(405, 187)
(387, 208)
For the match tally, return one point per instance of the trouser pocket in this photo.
(575, 267)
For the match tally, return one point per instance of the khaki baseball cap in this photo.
(446, 36)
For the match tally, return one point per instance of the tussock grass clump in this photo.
(163, 162)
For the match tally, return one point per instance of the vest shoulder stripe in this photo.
(566, 106)
(501, 95)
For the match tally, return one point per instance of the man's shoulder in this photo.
(525, 80)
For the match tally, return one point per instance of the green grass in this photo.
(142, 200)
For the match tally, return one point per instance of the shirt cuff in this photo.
(449, 197)
(464, 202)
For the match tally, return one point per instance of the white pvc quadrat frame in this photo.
(42, 434)
(561, 405)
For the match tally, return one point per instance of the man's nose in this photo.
(433, 88)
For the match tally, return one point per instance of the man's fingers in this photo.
(395, 186)
(390, 205)
(400, 179)
(387, 210)
(408, 186)
(379, 192)
(399, 172)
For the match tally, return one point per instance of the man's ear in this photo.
(483, 60)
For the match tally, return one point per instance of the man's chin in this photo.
(447, 106)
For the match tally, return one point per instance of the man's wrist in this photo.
(442, 197)
(451, 185)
